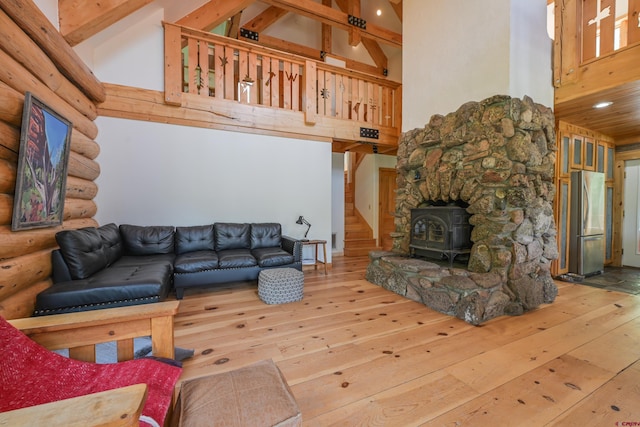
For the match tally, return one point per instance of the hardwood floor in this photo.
(355, 354)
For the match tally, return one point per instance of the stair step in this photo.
(359, 243)
(359, 251)
(350, 235)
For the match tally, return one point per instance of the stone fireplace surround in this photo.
(497, 155)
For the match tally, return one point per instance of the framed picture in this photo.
(45, 140)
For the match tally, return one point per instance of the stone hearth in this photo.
(498, 156)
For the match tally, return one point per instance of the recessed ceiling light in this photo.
(603, 104)
(378, 12)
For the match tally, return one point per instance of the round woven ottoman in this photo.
(280, 285)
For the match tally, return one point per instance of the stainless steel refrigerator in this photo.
(587, 223)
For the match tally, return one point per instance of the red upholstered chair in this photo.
(33, 375)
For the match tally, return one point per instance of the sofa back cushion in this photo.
(83, 251)
(195, 238)
(232, 236)
(111, 242)
(266, 235)
(147, 240)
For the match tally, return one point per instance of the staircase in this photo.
(358, 236)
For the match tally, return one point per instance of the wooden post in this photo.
(172, 64)
(310, 92)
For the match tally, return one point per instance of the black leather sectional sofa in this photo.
(114, 266)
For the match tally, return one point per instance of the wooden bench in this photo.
(80, 332)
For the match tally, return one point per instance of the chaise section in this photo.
(117, 286)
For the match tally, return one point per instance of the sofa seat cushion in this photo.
(272, 257)
(192, 262)
(236, 258)
(138, 260)
(116, 284)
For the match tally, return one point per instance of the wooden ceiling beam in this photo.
(211, 14)
(311, 53)
(375, 51)
(336, 18)
(234, 26)
(265, 19)
(80, 20)
(327, 32)
(397, 8)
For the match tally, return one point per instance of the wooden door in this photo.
(387, 206)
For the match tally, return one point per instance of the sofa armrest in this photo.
(293, 246)
(79, 332)
(59, 268)
(120, 407)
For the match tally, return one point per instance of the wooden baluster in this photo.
(330, 93)
(203, 60)
(228, 60)
(218, 70)
(339, 96)
(607, 27)
(253, 75)
(192, 63)
(589, 12)
(295, 87)
(633, 32)
(287, 85)
(275, 82)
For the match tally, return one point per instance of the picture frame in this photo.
(43, 159)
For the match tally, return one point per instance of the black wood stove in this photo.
(440, 231)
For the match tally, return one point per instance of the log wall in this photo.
(35, 58)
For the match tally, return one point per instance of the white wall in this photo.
(462, 51)
(159, 174)
(367, 195)
(337, 201)
(531, 65)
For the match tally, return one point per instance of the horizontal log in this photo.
(8, 155)
(78, 208)
(22, 303)
(20, 272)
(6, 208)
(20, 79)
(9, 136)
(84, 145)
(7, 177)
(24, 50)
(33, 22)
(9, 142)
(17, 243)
(73, 209)
(11, 106)
(83, 167)
(11, 103)
(79, 188)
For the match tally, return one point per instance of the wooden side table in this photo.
(316, 261)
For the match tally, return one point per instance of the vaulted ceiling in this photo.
(80, 20)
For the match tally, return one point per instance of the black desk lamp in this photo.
(301, 221)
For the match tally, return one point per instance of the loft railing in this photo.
(608, 25)
(212, 66)
(596, 45)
